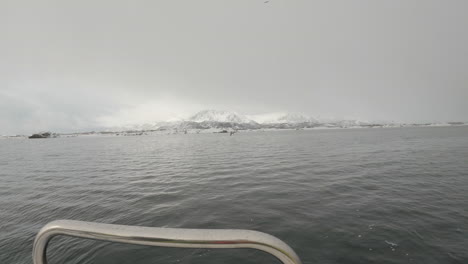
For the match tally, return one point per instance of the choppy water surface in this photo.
(336, 196)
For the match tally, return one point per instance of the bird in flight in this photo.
(266, 2)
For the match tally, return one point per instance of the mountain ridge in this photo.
(207, 120)
(223, 120)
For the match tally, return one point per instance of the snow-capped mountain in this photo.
(219, 116)
(218, 120)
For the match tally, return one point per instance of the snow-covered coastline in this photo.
(221, 121)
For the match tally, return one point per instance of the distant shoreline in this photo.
(218, 130)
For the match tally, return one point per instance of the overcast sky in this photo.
(73, 65)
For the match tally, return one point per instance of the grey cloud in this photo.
(395, 60)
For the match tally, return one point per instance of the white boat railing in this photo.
(163, 237)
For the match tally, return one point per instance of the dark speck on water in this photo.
(395, 195)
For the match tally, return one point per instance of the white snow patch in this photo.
(281, 117)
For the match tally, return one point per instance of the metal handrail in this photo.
(163, 237)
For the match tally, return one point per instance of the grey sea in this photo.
(396, 195)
